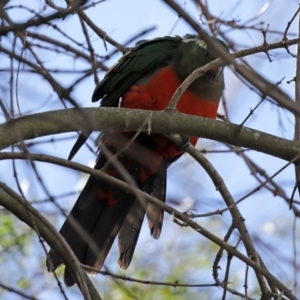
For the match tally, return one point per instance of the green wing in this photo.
(134, 65)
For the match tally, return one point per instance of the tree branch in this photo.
(165, 122)
(25, 212)
(170, 210)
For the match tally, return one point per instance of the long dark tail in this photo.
(103, 211)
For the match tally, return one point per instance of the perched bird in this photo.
(144, 78)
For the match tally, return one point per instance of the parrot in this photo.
(146, 77)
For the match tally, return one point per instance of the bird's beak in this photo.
(214, 72)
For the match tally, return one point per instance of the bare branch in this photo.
(181, 216)
(19, 207)
(165, 122)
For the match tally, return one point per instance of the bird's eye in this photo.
(206, 53)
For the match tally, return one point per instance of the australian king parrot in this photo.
(146, 77)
